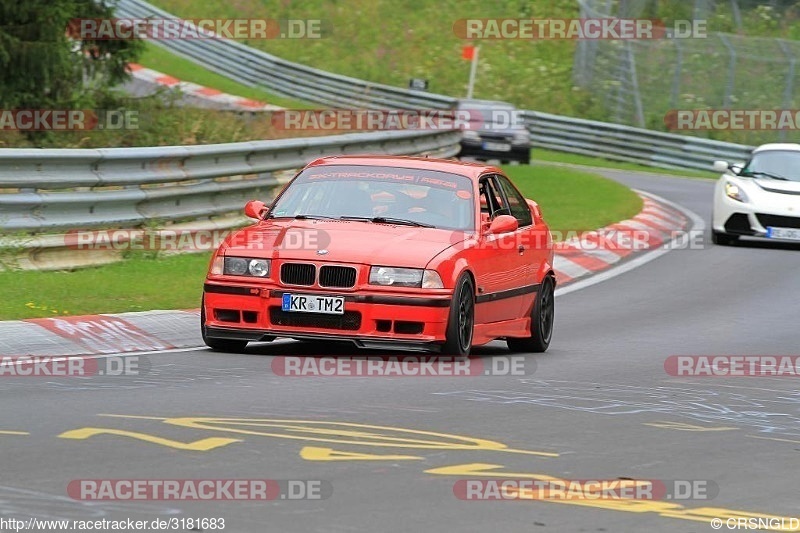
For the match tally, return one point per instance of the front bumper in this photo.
(752, 218)
(371, 319)
(521, 153)
(751, 222)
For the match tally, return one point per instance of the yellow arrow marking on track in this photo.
(312, 453)
(661, 508)
(341, 433)
(485, 469)
(384, 436)
(202, 445)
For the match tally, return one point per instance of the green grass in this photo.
(157, 58)
(552, 156)
(138, 284)
(391, 41)
(570, 200)
(575, 200)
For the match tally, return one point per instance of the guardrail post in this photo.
(676, 78)
(789, 87)
(726, 101)
(637, 97)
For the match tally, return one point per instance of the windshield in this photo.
(380, 194)
(774, 164)
(495, 117)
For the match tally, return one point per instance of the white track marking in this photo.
(698, 225)
(26, 360)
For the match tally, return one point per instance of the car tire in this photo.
(461, 320)
(723, 239)
(542, 319)
(218, 345)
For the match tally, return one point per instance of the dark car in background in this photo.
(496, 132)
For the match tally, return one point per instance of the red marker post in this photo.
(470, 53)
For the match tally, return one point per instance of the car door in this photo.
(531, 237)
(497, 263)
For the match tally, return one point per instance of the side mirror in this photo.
(721, 166)
(502, 224)
(254, 209)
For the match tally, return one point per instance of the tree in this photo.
(42, 67)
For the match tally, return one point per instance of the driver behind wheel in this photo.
(445, 205)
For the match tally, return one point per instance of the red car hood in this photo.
(345, 242)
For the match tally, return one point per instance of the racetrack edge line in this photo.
(698, 224)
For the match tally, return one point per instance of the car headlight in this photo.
(405, 277)
(735, 192)
(522, 137)
(241, 266)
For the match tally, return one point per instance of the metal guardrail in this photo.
(48, 192)
(612, 141)
(65, 189)
(260, 69)
(626, 143)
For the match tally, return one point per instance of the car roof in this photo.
(778, 146)
(463, 168)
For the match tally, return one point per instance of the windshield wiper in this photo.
(304, 217)
(390, 220)
(768, 175)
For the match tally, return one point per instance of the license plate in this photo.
(312, 303)
(790, 234)
(497, 147)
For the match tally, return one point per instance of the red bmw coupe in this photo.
(386, 252)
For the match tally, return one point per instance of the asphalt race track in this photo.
(598, 405)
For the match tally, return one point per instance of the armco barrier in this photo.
(612, 141)
(260, 69)
(626, 143)
(47, 191)
(52, 191)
